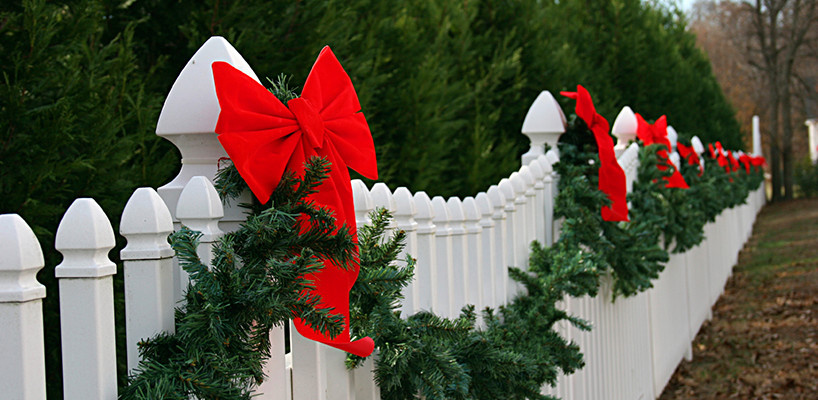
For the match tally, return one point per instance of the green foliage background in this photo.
(445, 85)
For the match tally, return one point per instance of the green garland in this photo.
(256, 282)
(221, 336)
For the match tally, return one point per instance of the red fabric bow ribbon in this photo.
(758, 161)
(263, 137)
(733, 162)
(612, 180)
(722, 160)
(745, 160)
(687, 152)
(657, 133)
(712, 152)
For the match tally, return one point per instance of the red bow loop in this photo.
(612, 179)
(656, 133)
(263, 137)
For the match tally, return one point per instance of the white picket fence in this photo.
(463, 248)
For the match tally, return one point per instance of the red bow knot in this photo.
(612, 180)
(263, 137)
(308, 120)
(656, 133)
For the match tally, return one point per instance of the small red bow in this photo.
(687, 152)
(746, 161)
(733, 162)
(612, 180)
(263, 137)
(758, 161)
(657, 133)
(712, 152)
(722, 159)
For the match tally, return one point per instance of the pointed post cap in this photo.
(84, 238)
(673, 137)
(382, 197)
(146, 224)
(200, 208)
(404, 203)
(441, 212)
(698, 146)
(544, 124)
(423, 206)
(362, 202)
(624, 128)
(192, 105)
(21, 258)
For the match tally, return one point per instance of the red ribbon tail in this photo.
(361, 347)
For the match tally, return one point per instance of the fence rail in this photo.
(462, 247)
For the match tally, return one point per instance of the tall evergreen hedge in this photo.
(445, 86)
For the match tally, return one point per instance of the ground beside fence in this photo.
(762, 342)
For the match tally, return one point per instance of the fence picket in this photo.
(405, 220)
(148, 267)
(487, 249)
(85, 275)
(474, 265)
(426, 253)
(22, 371)
(442, 276)
(200, 209)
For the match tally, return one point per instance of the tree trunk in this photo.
(786, 142)
(775, 149)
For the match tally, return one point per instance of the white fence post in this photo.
(188, 120)
(148, 268)
(543, 124)
(84, 238)
(22, 371)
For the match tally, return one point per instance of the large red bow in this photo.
(689, 153)
(263, 138)
(612, 180)
(656, 133)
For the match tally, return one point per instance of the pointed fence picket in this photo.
(463, 248)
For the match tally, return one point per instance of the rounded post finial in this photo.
(84, 238)
(200, 208)
(544, 124)
(22, 258)
(697, 144)
(624, 128)
(672, 137)
(146, 223)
